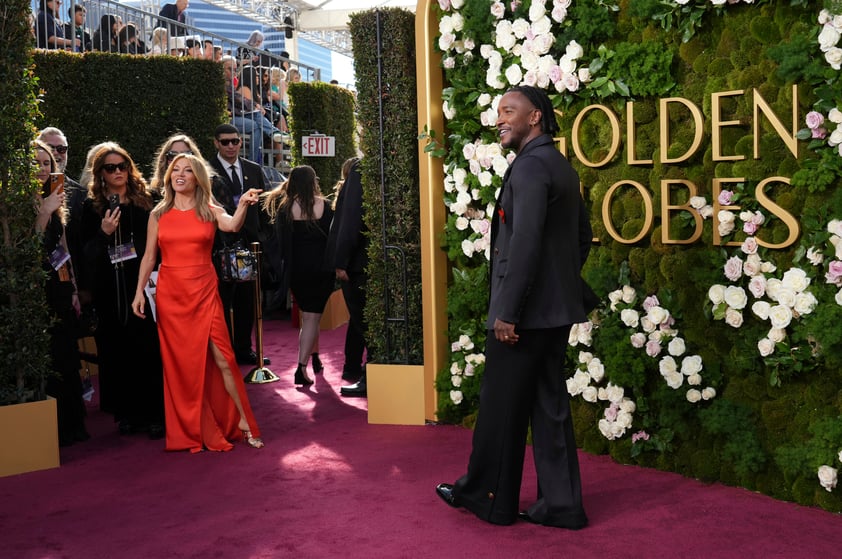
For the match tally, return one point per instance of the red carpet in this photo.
(330, 485)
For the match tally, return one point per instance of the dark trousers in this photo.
(523, 383)
(353, 291)
(238, 300)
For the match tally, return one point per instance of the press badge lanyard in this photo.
(118, 254)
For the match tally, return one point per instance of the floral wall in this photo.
(708, 141)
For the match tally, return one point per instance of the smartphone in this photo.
(113, 202)
(56, 181)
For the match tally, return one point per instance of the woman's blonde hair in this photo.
(202, 194)
(346, 170)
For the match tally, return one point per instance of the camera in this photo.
(113, 202)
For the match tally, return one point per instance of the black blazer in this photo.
(170, 11)
(224, 192)
(540, 238)
(347, 243)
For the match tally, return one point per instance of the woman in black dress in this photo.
(114, 228)
(63, 301)
(302, 216)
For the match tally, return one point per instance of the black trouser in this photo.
(353, 291)
(238, 299)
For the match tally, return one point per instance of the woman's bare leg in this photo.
(308, 336)
(230, 387)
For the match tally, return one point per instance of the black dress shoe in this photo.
(445, 492)
(250, 358)
(359, 388)
(351, 376)
(524, 515)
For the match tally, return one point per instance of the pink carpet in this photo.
(328, 484)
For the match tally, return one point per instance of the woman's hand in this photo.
(251, 197)
(139, 305)
(52, 202)
(111, 221)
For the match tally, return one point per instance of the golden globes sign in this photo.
(668, 186)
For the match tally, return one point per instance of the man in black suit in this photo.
(174, 12)
(347, 254)
(234, 176)
(540, 238)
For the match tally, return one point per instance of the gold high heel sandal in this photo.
(254, 442)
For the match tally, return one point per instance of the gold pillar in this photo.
(433, 260)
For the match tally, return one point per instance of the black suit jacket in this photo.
(170, 11)
(347, 243)
(540, 238)
(224, 192)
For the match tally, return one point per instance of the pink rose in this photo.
(818, 133)
(749, 228)
(653, 348)
(640, 436)
(814, 120)
(834, 272)
(611, 412)
(725, 197)
(734, 268)
(649, 302)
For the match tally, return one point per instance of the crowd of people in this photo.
(169, 344)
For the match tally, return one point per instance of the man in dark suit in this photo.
(174, 12)
(347, 253)
(234, 176)
(540, 238)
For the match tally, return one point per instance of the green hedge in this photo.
(24, 344)
(329, 110)
(397, 221)
(135, 101)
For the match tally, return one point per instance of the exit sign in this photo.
(318, 146)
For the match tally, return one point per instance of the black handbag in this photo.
(235, 263)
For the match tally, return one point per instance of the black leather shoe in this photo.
(445, 492)
(359, 388)
(524, 515)
(351, 376)
(250, 358)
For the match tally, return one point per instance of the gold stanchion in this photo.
(259, 374)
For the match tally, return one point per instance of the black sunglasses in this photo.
(111, 167)
(171, 154)
(60, 149)
(226, 141)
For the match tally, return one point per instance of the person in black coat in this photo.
(347, 254)
(540, 238)
(234, 176)
(174, 12)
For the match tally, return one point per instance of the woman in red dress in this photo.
(205, 400)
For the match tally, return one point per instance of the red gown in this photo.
(199, 412)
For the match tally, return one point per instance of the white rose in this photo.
(773, 288)
(693, 395)
(766, 347)
(777, 335)
(795, 279)
(840, 455)
(638, 340)
(691, 365)
(716, 294)
(630, 317)
(498, 10)
(780, 316)
(676, 347)
(605, 428)
(514, 74)
(536, 11)
(456, 396)
(658, 315)
(838, 297)
(694, 379)
(709, 393)
(697, 202)
(733, 318)
(468, 248)
(647, 325)
(596, 369)
(585, 357)
(706, 212)
(589, 394)
(814, 256)
(749, 246)
(835, 116)
(827, 477)
(725, 228)
(567, 65)
(614, 393)
(761, 309)
(584, 74)
(674, 380)
(461, 223)
(624, 419)
(667, 366)
(835, 137)
(768, 267)
(824, 17)
(458, 22)
(828, 38)
(735, 297)
(629, 294)
(834, 226)
(574, 50)
(456, 380)
(520, 27)
(805, 303)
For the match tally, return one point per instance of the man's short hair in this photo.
(76, 8)
(50, 131)
(225, 129)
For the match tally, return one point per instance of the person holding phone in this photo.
(66, 385)
(114, 222)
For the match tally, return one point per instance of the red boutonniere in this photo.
(502, 214)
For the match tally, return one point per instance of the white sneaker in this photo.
(277, 137)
